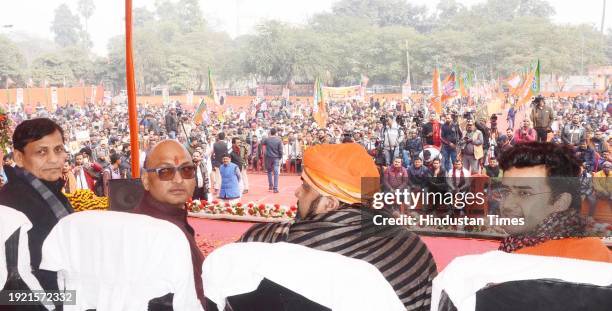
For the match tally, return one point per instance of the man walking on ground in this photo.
(274, 152)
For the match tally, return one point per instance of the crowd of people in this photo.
(334, 215)
(413, 146)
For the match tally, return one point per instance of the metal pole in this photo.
(131, 90)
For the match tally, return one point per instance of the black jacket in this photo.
(20, 195)
(219, 149)
(171, 122)
(274, 147)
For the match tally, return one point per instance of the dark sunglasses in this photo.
(187, 171)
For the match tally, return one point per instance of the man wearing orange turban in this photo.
(334, 215)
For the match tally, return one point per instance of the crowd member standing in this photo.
(239, 155)
(113, 171)
(201, 176)
(431, 131)
(273, 155)
(450, 136)
(219, 150)
(230, 179)
(171, 123)
(573, 133)
(473, 150)
(542, 117)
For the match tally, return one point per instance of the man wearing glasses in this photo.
(34, 186)
(541, 186)
(169, 181)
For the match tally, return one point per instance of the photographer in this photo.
(473, 150)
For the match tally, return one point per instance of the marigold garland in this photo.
(86, 200)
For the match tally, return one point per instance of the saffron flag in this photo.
(211, 96)
(531, 87)
(514, 81)
(319, 111)
(436, 96)
(448, 87)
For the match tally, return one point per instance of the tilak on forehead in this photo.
(176, 160)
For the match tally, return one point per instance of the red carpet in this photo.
(214, 233)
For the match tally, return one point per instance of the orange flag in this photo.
(436, 96)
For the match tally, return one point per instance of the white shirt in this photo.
(330, 279)
(120, 261)
(81, 180)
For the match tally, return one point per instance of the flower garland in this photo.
(5, 129)
(86, 200)
(239, 209)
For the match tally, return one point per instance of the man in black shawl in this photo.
(333, 217)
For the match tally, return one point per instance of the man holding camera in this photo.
(473, 150)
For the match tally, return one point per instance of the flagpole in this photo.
(131, 90)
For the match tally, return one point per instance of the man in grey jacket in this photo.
(274, 152)
(573, 133)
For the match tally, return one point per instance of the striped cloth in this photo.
(400, 255)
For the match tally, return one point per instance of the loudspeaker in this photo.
(124, 194)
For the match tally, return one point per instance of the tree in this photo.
(383, 12)
(65, 26)
(12, 62)
(86, 9)
(190, 15)
(142, 16)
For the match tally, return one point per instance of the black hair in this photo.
(7, 156)
(562, 165)
(86, 151)
(114, 158)
(234, 139)
(273, 131)
(32, 130)
(221, 136)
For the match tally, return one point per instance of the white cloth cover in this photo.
(329, 279)
(11, 220)
(466, 275)
(120, 261)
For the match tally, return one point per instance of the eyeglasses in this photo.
(187, 171)
(502, 193)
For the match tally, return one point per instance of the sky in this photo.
(233, 16)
